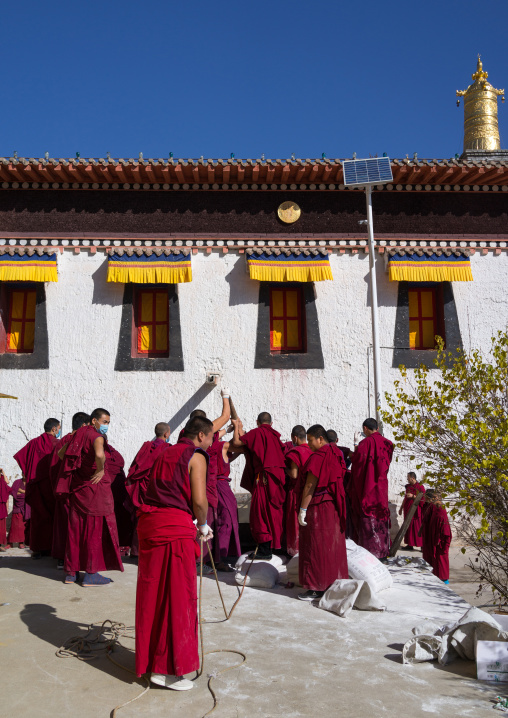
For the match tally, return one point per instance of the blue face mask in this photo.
(103, 428)
(59, 434)
(168, 440)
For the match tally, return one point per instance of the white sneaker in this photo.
(175, 683)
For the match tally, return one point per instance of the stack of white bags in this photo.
(367, 577)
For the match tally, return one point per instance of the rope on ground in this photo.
(102, 639)
(228, 616)
(98, 641)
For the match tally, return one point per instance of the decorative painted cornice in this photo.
(247, 175)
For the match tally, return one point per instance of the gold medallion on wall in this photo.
(289, 212)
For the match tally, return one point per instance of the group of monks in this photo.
(429, 528)
(307, 496)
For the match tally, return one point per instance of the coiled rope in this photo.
(102, 639)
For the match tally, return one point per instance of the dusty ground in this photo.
(301, 661)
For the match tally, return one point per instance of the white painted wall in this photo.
(219, 321)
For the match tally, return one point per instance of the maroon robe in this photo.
(124, 521)
(323, 556)
(426, 538)
(287, 446)
(368, 493)
(264, 476)
(437, 537)
(61, 515)
(137, 481)
(92, 543)
(20, 517)
(411, 536)
(4, 497)
(212, 495)
(34, 461)
(227, 537)
(166, 595)
(299, 455)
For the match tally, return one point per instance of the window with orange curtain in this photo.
(287, 326)
(21, 322)
(423, 317)
(152, 322)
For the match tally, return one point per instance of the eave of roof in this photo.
(240, 174)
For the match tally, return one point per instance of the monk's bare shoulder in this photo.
(198, 461)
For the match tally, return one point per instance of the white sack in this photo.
(292, 571)
(363, 566)
(344, 594)
(274, 561)
(261, 574)
(454, 639)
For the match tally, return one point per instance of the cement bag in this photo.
(292, 571)
(363, 566)
(261, 574)
(276, 561)
(345, 594)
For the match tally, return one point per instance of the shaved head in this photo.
(299, 432)
(264, 418)
(197, 412)
(161, 428)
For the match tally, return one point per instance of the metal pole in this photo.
(375, 322)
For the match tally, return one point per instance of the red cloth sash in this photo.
(158, 526)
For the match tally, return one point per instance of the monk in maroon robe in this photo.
(227, 536)
(34, 461)
(61, 515)
(166, 597)
(296, 458)
(264, 476)
(20, 518)
(139, 474)
(368, 491)
(436, 536)
(211, 479)
(322, 517)
(413, 488)
(4, 497)
(92, 543)
(124, 520)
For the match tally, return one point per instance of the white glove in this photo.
(225, 393)
(204, 530)
(357, 437)
(301, 517)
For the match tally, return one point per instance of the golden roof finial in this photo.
(481, 130)
(479, 74)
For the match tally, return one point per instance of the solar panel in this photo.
(375, 170)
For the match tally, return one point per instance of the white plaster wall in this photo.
(219, 322)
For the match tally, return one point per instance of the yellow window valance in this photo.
(27, 267)
(152, 268)
(445, 266)
(287, 266)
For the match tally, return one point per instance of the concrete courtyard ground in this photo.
(301, 661)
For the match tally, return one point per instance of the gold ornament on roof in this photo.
(289, 212)
(481, 131)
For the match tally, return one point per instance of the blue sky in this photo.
(202, 78)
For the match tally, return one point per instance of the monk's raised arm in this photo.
(100, 460)
(226, 412)
(229, 453)
(236, 444)
(197, 474)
